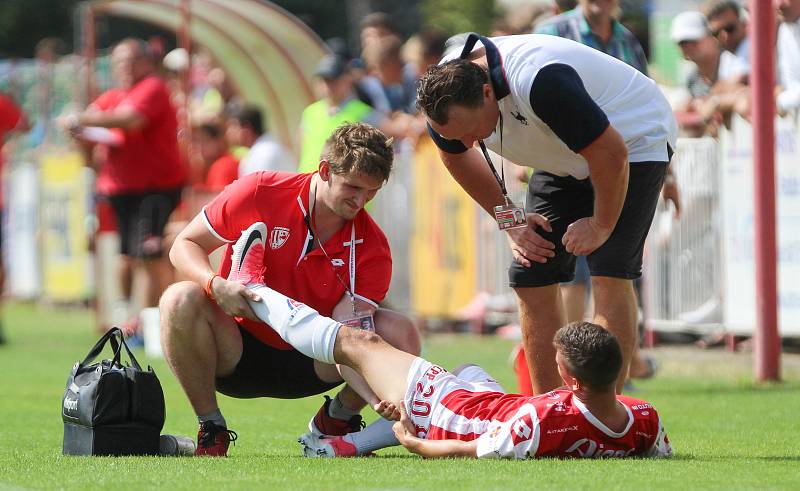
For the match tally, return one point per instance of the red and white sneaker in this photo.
(323, 424)
(213, 440)
(247, 260)
(326, 446)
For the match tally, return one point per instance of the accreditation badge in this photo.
(361, 321)
(509, 216)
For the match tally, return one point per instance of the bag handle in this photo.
(117, 340)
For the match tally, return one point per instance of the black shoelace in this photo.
(209, 431)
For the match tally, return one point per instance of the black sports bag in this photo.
(109, 408)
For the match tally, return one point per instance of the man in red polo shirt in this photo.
(322, 249)
(140, 170)
(11, 119)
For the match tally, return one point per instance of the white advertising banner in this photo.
(738, 210)
(20, 230)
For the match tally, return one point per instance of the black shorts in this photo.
(264, 371)
(141, 219)
(564, 199)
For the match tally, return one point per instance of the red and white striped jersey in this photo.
(557, 424)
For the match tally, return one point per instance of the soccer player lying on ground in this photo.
(467, 413)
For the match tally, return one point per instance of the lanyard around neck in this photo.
(500, 178)
(307, 218)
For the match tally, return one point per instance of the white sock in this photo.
(298, 324)
(376, 436)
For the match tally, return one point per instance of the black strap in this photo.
(117, 340)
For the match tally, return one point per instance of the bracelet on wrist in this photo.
(207, 289)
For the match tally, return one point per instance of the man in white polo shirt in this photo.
(601, 131)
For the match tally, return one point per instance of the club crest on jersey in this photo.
(278, 237)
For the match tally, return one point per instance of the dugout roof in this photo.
(269, 54)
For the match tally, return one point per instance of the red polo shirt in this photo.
(272, 197)
(148, 158)
(10, 114)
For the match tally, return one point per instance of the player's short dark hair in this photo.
(713, 8)
(591, 353)
(360, 147)
(457, 82)
(251, 116)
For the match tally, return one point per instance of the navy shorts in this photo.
(265, 371)
(141, 219)
(564, 199)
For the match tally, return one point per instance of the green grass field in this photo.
(727, 432)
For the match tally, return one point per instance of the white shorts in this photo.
(428, 384)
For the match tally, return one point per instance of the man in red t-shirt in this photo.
(140, 173)
(321, 248)
(12, 119)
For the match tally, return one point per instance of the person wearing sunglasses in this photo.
(727, 22)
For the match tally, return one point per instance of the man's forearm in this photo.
(125, 119)
(472, 172)
(191, 261)
(608, 170)
(610, 187)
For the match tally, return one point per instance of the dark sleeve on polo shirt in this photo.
(559, 98)
(449, 146)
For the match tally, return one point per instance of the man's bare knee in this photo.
(183, 300)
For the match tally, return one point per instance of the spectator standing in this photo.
(715, 84)
(338, 105)
(12, 119)
(594, 23)
(141, 173)
(390, 83)
(788, 98)
(727, 23)
(246, 127)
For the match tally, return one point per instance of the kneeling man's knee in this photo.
(182, 298)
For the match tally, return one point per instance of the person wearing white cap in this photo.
(716, 81)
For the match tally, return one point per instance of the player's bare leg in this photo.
(615, 310)
(541, 314)
(200, 343)
(384, 367)
(397, 330)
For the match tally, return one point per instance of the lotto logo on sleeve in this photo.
(522, 429)
(294, 304)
